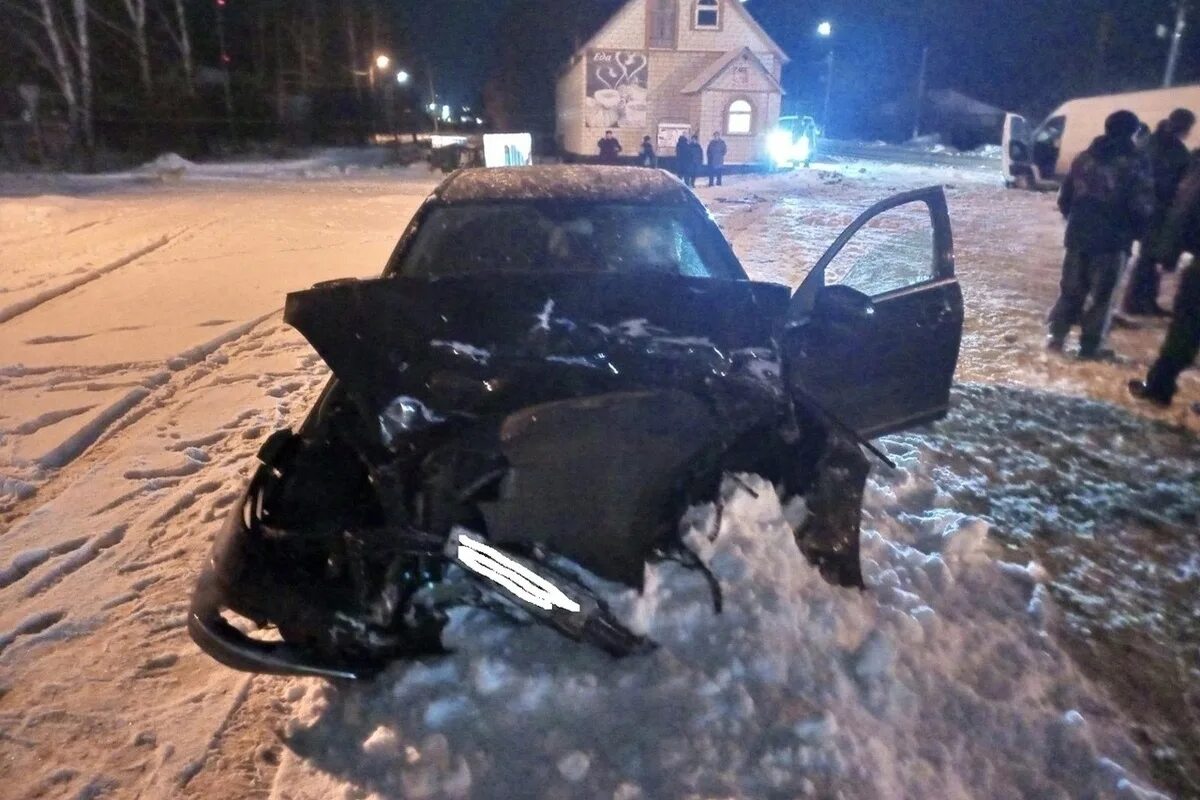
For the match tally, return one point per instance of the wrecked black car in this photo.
(555, 364)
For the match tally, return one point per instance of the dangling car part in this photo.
(556, 363)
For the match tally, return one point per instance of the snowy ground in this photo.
(1032, 628)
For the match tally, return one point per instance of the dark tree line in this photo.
(136, 75)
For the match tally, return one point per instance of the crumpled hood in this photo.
(493, 343)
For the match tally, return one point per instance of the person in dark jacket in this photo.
(1107, 198)
(647, 157)
(610, 148)
(1179, 349)
(1168, 160)
(683, 158)
(697, 160)
(716, 158)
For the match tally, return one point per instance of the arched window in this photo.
(708, 14)
(740, 118)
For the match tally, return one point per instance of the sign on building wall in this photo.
(669, 133)
(616, 89)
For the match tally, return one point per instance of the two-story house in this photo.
(659, 68)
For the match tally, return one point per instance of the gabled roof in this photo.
(737, 6)
(753, 23)
(714, 70)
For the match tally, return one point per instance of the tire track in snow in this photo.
(28, 561)
(41, 298)
(156, 392)
(31, 625)
(77, 560)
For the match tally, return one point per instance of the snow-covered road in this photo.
(142, 361)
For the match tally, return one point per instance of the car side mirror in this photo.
(841, 304)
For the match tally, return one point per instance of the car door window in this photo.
(891, 251)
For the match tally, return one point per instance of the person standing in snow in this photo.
(697, 159)
(647, 156)
(1107, 199)
(1179, 349)
(716, 158)
(610, 148)
(1169, 161)
(683, 157)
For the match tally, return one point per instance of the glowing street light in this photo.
(382, 62)
(825, 28)
(401, 77)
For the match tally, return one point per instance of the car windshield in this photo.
(572, 237)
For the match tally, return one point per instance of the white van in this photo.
(1040, 157)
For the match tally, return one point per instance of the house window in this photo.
(740, 118)
(708, 14)
(662, 23)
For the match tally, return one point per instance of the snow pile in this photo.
(938, 682)
(168, 164)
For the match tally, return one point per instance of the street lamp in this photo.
(825, 31)
(382, 61)
(401, 77)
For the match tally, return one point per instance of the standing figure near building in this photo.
(683, 158)
(647, 157)
(716, 158)
(1107, 199)
(1168, 160)
(697, 160)
(610, 148)
(1182, 233)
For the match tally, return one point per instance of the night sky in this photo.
(1026, 55)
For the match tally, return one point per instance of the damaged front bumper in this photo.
(226, 585)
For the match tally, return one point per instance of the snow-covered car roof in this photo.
(563, 182)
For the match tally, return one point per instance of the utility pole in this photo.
(828, 92)
(920, 91)
(432, 95)
(1176, 38)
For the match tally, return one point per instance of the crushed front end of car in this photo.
(502, 441)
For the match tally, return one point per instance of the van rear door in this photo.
(1016, 155)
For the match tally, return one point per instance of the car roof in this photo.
(574, 182)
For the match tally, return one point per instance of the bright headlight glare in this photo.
(779, 146)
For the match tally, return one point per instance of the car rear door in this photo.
(873, 333)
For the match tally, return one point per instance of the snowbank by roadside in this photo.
(938, 682)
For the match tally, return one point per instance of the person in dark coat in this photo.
(1107, 199)
(716, 158)
(647, 157)
(1168, 160)
(683, 158)
(697, 160)
(610, 148)
(1179, 349)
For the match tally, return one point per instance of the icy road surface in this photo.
(1031, 628)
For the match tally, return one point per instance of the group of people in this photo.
(690, 156)
(1116, 193)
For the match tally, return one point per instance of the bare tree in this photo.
(350, 18)
(136, 11)
(180, 34)
(83, 55)
(58, 35)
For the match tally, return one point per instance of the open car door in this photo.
(1016, 155)
(874, 330)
